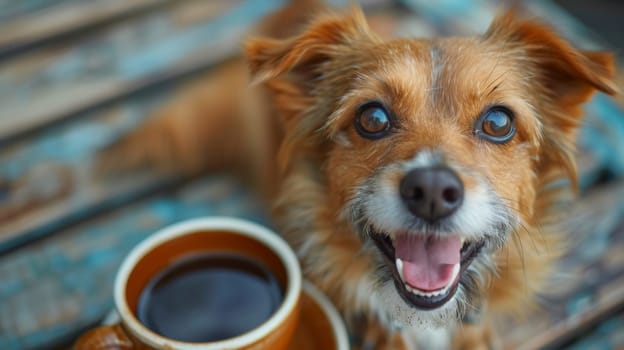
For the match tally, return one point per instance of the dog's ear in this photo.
(567, 74)
(291, 69)
(562, 78)
(303, 56)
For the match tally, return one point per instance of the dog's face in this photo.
(433, 152)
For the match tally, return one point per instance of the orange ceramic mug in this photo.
(205, 235)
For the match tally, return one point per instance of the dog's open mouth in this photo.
(426, 269)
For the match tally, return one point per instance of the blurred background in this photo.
(77, 74)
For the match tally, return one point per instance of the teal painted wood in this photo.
(607, 335)
(473, 17)
(111, 63)
(602, 135)
(55, 24)
(53, 288)
(48, 179)
(589, 283)
(64, 154)
(26, 162)
(9, 9)
(27, 209)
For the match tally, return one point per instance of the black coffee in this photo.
(209, 297)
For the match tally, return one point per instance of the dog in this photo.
(413, 177)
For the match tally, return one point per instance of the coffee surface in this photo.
(209, 297)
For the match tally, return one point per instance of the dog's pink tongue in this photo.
(427, 262)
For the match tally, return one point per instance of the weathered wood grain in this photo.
(105, 82)
(589, 285)
(38, 214)
(54, 288)
(49, 181)
(64, 154)
(474, 17)
(62, 20)
(10, 10)
(45, 180)
(56, 83)
(602, 136)
(620, 83)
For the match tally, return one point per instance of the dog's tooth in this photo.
(418, 292)
(456, 269)
(424, 294)
(445, 289)
(399, 267)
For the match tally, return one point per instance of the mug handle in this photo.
(112, 337)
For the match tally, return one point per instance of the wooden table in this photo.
(75, 75)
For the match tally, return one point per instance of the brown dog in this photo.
(411, 176)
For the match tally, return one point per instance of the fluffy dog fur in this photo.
(330, 189)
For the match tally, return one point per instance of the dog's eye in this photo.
(372, 121)
(496, 125)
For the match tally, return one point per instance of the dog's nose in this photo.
(432, 193)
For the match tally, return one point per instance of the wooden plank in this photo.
(602, 134)
(48, 179)
(73, 270)
(584, 37)
(37, 28)
(54, 288)
(475, 16)
(63, 155)
(16, 9)
(36, 218)
(120, 60)
(589, 285)
(68, 80)
(562, 334)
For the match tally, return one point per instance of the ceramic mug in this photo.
(205, 235)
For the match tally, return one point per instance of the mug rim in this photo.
(218, 223)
